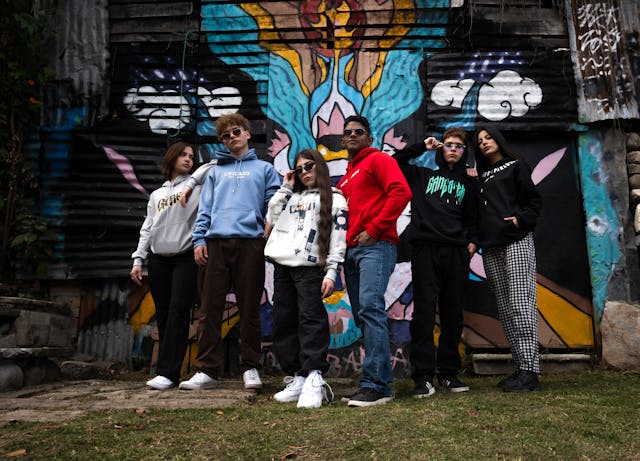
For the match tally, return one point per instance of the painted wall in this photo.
(604, 42)
(297, 70)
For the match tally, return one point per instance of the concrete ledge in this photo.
(9, 305)
(499, 364)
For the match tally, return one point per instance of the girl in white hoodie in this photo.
(307, 247)
(165, 241)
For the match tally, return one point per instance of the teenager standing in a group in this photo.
(229, 244)
(306, 246)
(443, 237)
(376, 194)
(165, 241)
(509, 208)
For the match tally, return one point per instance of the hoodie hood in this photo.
(178, 180)
(362, 154)
(225, 157)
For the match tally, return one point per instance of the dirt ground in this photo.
(70, 399)
(63, 400)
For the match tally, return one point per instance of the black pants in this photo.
(439, 274)
(173, 281)
(301, 325)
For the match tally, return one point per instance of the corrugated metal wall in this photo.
(296, 70)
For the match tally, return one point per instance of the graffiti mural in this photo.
(301, 68)
(603, 67)
(518, 89)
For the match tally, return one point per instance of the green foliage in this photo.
(22, 233)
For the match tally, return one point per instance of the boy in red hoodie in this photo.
(376, 192)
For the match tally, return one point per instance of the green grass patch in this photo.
(589, 416)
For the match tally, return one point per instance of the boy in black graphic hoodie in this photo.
(443, 236)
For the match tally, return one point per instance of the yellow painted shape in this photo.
(373, 81)
(296, 65)
(570, 323)
(330, 155)
(335, 297)
(229, 324)
(190, 356)
(142, 316)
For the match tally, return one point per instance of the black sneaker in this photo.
(525, 381)
(508, 379)
(367, 397)
(424, 388)
(452, 384)
(346, 398)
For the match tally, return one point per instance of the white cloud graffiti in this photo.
(167, 110)
(451, 92)
(506, 94)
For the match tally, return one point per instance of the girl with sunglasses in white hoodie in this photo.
(306, 246)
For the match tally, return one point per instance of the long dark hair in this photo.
(482, 164)
(169, 160)
(323, 183)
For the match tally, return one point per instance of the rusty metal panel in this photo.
(157, 21)
(79, 50)
(519, 89)
(604, 46)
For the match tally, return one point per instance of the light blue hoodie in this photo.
(234, 198)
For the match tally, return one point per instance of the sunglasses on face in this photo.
(227, 134)
(454, 145)
(306, 167)
(357, 131)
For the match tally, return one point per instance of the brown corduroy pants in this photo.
(239, 264)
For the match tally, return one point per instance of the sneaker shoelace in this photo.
(318, 381)
(289, 381)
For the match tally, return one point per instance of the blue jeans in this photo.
(367, 270)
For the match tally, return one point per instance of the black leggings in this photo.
(173, 281)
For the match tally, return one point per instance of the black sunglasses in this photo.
(227, 134)
(305, 167)
(357, 131)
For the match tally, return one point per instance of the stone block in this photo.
(633, 158)
(633, 142)
(8, 340)
(634, 181)
(32, 329)
(40, 371)
(635, 196)
(59, 331)
(79, 370)
(11, 376)
(620, 330)
(633, 168)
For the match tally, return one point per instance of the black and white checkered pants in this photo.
(511, 271)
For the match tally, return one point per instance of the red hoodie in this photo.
(376, 193)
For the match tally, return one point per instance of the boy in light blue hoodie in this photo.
(228, 240)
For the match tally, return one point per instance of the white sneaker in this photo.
(161, 383)
(292, 391)
(198, 381)
(313, 391)
(252, 379)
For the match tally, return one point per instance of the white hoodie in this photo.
(293, 240)
(167, 228)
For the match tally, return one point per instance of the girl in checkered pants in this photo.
(509, 208)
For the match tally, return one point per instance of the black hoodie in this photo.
(506, 190)
(444, 207)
